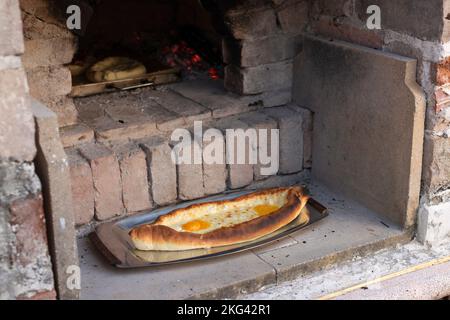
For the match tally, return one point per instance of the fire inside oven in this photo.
(171, 40)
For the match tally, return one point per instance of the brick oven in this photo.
(362, 117)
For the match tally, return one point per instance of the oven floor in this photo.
(350, 231)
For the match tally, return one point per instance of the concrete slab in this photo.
(279, 244)
(350, 231)
(366, 146)
(409, 271)
(217, 278)
(431, 283)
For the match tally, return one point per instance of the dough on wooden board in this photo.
(115, 68)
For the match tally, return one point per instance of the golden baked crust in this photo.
(159, 237)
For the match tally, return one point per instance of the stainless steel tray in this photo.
(113, 241)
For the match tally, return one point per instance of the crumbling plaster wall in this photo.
(25, 266)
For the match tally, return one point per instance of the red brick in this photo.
(82, 187)
(107, 181)
(436, 175)
(46, 295)
(442, 99)
(443, 72)
(28, 221)
(133, 170)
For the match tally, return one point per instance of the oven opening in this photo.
(158, 42)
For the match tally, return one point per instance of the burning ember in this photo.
(183, 56)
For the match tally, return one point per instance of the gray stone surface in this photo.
(252, 23)
(287, 180)
(252, 53)
(53, 168)
(375, 276)
(260, 121)
(279, 244)
(109, 130)
(64, 108)
(234, 275)
(16, 120)
(308, 127)
(213, 279)
(23, 236)
(422, 19)
(140, 108)
(364, 145)
(293, 15)
(432, 283)
(190, 110)
(190, 175)
(48, 52)
(436, 174)
(11, 38)
(290, 124)
(212, 95)
(239, 175)
(162, 171)
(255, 80)
(76, 134)
(276, 98)
(350, 231)
(134, 177)
(49, 82)
(214, 174)
(6, 270)
(433, 226)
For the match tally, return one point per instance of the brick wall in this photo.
(48, 46)
(264, 37)
(115, 177)
(25, 266)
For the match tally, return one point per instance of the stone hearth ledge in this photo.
(141, 113)
(349, 232)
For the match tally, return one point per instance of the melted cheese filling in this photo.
(215, 217)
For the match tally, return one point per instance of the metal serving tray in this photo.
(114, 243)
